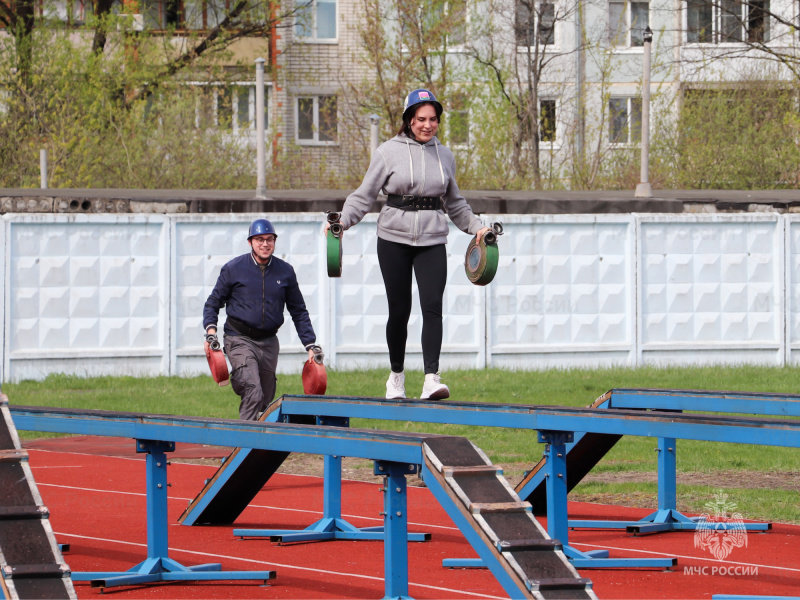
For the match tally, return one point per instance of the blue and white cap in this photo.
(418, 97)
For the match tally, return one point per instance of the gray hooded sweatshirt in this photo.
(404, 166)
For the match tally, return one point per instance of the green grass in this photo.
(515, 449)
(753, 504)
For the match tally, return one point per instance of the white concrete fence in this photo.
(123, 294)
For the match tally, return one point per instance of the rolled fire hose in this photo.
(334, 245)
(216, 361)
(480, 261)
(315, 377)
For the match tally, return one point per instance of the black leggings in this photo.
(429, 264)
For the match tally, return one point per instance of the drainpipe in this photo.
(579, 78)
(261, 151)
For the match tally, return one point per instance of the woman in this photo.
(417, 174)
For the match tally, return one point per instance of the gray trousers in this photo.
(253, 365)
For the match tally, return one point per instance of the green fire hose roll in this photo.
(334, 246)
(480, 262)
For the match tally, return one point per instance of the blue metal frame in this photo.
(331, 526)
(558, 524)
(285, 437)
(405, 448)
(666, 517)
(712, 428)
(395, 519)
(557, 521)
(401, 449)
(750, 403)
(158, 567)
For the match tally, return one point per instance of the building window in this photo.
(727, 21)
(230, 108)
(534, 22)
(79, 11)
(627, 22)
(457, 17)
(315, 20)
(316, 120)
(547, 121)
(72, 12)
(436, 22)
(162, 14)
(449, 17)
(625, 120)
(191, 14)
(548, 126)
(458, 122)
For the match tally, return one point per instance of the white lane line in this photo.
(272, 564)
(703, 558)
(266, 507)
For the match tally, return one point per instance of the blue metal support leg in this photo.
(159, 567)
(667, 517)
(331, 526)
(395, 525)
(558, 524)
(557, 521)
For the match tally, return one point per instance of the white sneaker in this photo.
(396, 386)
(434, 389)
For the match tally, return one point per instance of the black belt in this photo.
(251, 332)
(406, 202)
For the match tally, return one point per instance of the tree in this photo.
(741, 136)
(527, 51)
(404, 45)
(96, 138)
(212, 30)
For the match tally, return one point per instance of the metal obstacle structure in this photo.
(508, 539)
(30, 560)
(589, 448)
(245, 471)
(558, 427)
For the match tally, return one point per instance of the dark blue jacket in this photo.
(258, 300)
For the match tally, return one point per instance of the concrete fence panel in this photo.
(124, 294)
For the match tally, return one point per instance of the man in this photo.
(255, 288)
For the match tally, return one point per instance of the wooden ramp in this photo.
(237, 481)
(31, 562)
(583, 454)
(499, 526)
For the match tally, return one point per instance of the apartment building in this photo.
(575, 65)
(580, 61)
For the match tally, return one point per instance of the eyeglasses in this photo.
(264, 241)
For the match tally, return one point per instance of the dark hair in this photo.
(405, 128)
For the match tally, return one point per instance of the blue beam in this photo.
(713, 428)
(360, 443)
(778, 405)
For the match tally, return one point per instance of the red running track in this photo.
(97, 505)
